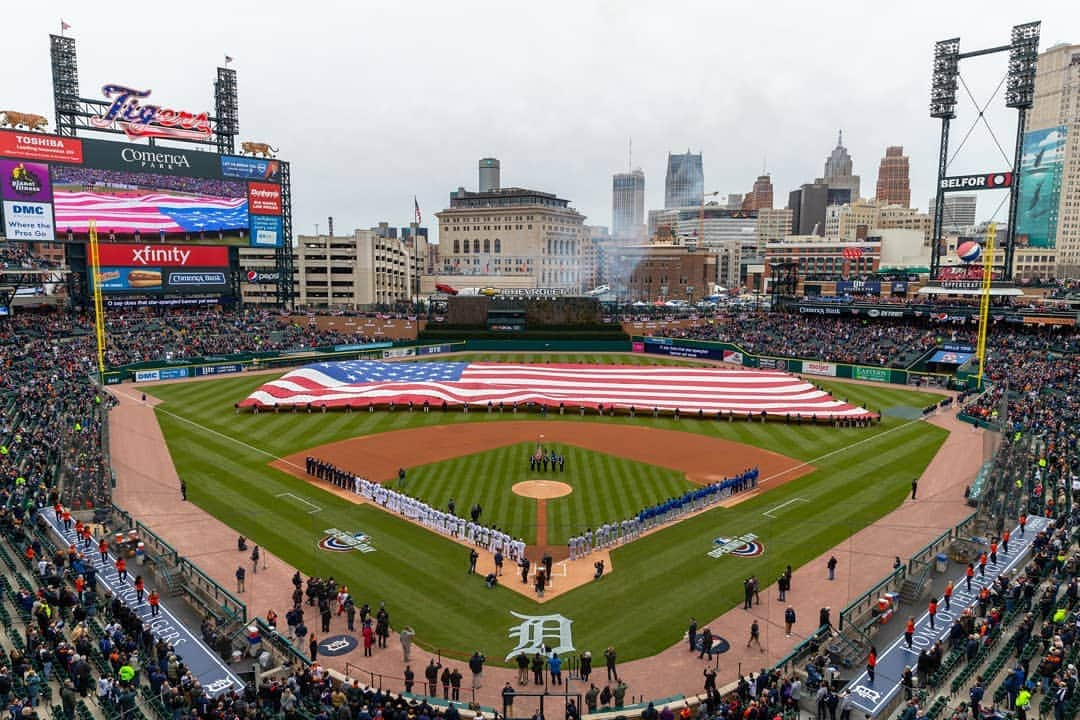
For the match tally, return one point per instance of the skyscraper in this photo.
(958, 214)
(894, 177)
(1048, 217)
(628, 204)
(684, 185)
(838, 175)
(761, 197)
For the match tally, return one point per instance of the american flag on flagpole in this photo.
(63, 25)
(416, 206)
(360, 383)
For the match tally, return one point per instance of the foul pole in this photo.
(99, 315)
(984, 298)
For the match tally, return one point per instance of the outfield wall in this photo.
(240, 362)
(727, 352)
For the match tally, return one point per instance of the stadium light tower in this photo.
(1023, 49)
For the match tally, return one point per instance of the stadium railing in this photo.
(856, 610)
(200, 587)
(801, 652)
(233, 608)
(280, 642)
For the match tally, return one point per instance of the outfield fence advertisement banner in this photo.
(733, 356)
(812, 367)
(702, 349)
(872, 374)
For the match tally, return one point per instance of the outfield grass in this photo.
(658, 582)
(606, 488)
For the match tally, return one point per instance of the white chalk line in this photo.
(300, 499)
(769, 513)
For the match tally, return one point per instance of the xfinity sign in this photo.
(990, 181)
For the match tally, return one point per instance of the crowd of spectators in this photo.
(832, 339)
(142, 337)
(20, 256)
(52, 423)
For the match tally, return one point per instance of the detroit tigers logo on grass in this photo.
(341, 541)
(744, 546)
(538, 633)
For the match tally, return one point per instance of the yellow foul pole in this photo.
(99, 315)
(984, 298)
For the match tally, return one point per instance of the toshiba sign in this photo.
(199, 256)
(264, 198)
(35, 146)
(991, 181)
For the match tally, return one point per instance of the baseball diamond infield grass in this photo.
(606, 488)
(658, 581)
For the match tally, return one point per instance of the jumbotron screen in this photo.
(53, 187)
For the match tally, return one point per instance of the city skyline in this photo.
(366, 132)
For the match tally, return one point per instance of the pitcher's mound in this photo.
(542, 489)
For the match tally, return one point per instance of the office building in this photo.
(352, 271)
(628, 204)
(851, 220)
(894, 178)
(899, 217)
(761, 197)
(957, 214)
(844, 185)
(1048, 222)
(684, 184)
(661, 271)
(728, 234)
(489, 170)
(824, 258)
(772, 224)
(734, 201)
(511, 237)
(807, 205)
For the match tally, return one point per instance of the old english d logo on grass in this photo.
(744, 546)
(340, 541)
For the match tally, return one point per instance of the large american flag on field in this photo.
(148, 213)
(366, 382)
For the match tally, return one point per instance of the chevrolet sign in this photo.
(991, 181)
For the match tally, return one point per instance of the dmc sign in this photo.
(148, 121)
(27, 209)
(991, 181)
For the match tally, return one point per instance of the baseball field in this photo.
(820, 485)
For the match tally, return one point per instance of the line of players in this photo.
(489, 538)
(614, 533)
(330, 473)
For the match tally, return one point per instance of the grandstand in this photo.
(55, 441)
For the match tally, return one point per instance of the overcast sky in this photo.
(375, 102)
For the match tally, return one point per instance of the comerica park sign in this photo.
(988, 181)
